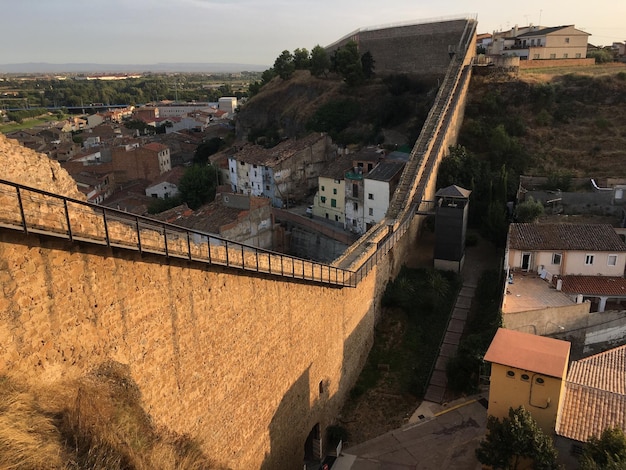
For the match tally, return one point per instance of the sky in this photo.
(252, 31)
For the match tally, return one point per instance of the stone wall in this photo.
(419, 48)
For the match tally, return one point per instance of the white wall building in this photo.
(378, 188)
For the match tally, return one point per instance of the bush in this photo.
(528, 211)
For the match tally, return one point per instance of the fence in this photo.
(32, 210)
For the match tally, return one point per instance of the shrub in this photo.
(528, 211)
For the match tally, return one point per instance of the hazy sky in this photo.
(251, 31)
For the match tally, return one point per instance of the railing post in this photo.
(227, 260)
(189, 246)
(67, 219)
(106, 227)
(138, 234)
(243, 259)
(256, 252)
(208, 247)
(165, 241)
(19, 200)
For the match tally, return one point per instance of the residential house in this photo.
(146, 113)
(237, 217)
(594, 399)
(378, 187)
(228, 104)
(530, 371)
(538, 43)
(285, 173)
(483, 41)
(97, 187)
(569, 405)
(363, 162)
(167, 185)
(584, 261)
(94, 120)
(330, 199)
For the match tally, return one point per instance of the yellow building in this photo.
(528, 371)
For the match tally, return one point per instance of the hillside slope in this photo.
(573, 122)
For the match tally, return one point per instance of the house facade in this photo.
(539, 43)
(285, 173)
(378, 187)
(529, 371)
(565, 249)
(330, 200)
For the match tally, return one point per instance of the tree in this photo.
(301, 59)
(320, 62)
(284, 65)
(367, 63)
(206, 149)
(528, 211)
(516, 439)
(198, 185)
(607, 452)
(348, 64)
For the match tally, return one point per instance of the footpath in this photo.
(438, 435)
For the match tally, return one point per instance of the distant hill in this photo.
(43, 67)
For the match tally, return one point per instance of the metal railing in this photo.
(32, 210)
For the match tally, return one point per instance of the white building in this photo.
(228, 104)
(379, 186)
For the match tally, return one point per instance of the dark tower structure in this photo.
(450, 227)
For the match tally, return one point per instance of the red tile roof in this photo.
(575, 237)
(595, 396)
(155, 146)
(594, 285)
(534, 353)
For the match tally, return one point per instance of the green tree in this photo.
(284, 65)
(206, 149)
(320, 62)
(301, 59)
(528, 211)
(348, 64)
(197, 186)
(608, 452)
(514, 440)
(367, 63)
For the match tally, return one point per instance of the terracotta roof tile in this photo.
(594, 285)
(547, 356)
(595, 395)
(581, 237)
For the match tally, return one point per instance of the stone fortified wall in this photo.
(419, 48)
(232, 360)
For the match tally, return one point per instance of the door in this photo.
(525, 261)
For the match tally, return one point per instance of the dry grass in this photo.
(94, 423)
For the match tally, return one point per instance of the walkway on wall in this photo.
(33, 211)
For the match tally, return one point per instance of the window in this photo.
(370, 196)
(566, 40)
(242, 163)
(588, 260)
(369, 167)
(323, 199)
(254, 166)
(327, 215)
(322, 188)
(354, 222)
(612, 261)
(334, 190)
(355, 206)
(578, 55)
(336, 218)
(556, 258)
(525, 377)
(371, 211)
(536, 56)
(553, 56)
(321, 387)
(355, 190)
(267, 187)
(539, 380)
(510, 373)
(333, 203)
(565, 56)
(232, 170)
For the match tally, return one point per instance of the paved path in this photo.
(477, 259)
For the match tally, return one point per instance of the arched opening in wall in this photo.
(313, 445)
